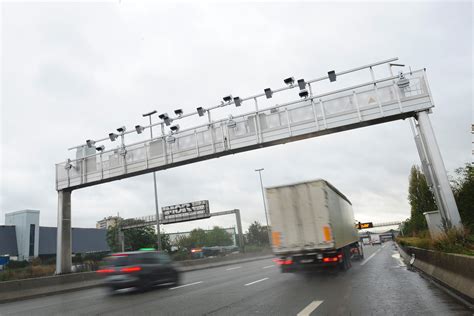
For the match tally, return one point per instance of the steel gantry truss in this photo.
(150, 220)
(365, 103)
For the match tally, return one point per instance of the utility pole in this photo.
(158, 235)
(264, 204)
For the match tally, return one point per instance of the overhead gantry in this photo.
(313, 113)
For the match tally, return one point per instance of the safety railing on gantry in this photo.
(311, 114)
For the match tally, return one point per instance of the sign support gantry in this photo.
(376, 101)
(150, 220)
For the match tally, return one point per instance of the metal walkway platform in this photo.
(365, 104)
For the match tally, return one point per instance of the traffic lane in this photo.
(98, 300)
(380, 285)
(223, 294)
(219, 290)
(364, 289)
(252, 293)
(395, 289)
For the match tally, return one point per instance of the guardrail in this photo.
(454, 271)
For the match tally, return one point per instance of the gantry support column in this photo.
(239, 230)
(64, 240)
(438, 172)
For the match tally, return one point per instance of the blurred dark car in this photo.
(139, 269)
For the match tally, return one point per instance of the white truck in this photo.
(375, 239)
(312, 224)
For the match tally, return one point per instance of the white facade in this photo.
(107, 222)
(26, 224)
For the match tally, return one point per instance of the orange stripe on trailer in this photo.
(276, 239)
(327, 233)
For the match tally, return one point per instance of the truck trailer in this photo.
(312, 225)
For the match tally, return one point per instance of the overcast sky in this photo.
(71, 72)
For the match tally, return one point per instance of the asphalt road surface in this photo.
(378, 285)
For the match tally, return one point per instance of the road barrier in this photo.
(454, 271)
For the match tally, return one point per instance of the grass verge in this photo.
(452, 241)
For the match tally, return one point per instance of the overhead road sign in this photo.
(186, 212)
(364, 225)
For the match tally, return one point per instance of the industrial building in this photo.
(107, 222)
(22, 238)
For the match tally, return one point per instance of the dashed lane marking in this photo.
(310, 308)
(370, 257)
(256, 281)
(178, 287)
(268, 267)
(233, 268)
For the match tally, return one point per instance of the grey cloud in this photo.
(78, 71)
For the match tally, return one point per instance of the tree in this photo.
(196, 239)
(218, 237)
(421, 200)
(199, 238)
(257, 234)
(134, 238)
(463, 190)
(165, 241)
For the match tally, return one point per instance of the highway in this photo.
(379, 285)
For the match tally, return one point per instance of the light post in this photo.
(264, 204)
(158, 235)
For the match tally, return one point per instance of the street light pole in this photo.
(264, 203)
(158, 235)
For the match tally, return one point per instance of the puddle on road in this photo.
(397, 257)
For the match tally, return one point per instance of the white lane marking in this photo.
(310, 308)
(256, 281)
(268, 267)
(233, 268)
(370, 257)
(178, 287)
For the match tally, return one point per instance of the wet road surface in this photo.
(378, 285)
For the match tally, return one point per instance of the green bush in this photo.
(17, 264)
(180, 255)
(455, 241)
(419, 242)
(27, 272)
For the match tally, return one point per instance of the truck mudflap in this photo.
(340, 258)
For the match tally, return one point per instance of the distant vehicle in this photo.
(138, 269)
(219, 250)
(375, 239)
(197, 253)
(312, 225)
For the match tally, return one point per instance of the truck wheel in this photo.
(346, 257)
